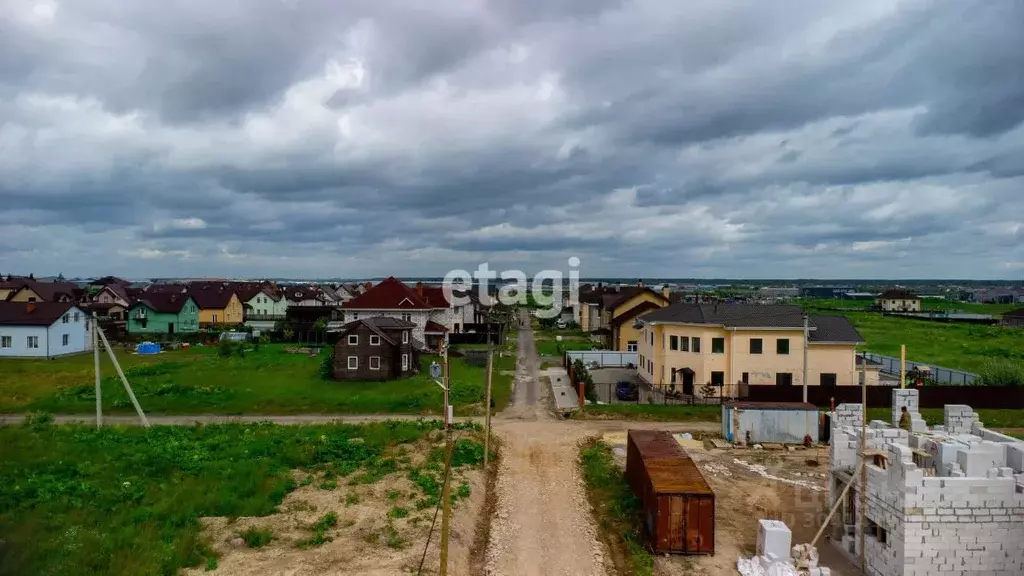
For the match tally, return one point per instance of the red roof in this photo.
(390, 294)
(32, 313)
(434, 295)
(434, 327)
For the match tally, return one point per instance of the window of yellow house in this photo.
(673, 342)
(718, 345)
(631, 346)
(695, 345)
(782, 346)
(756, 346)
(684, 344)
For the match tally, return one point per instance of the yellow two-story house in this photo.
(611, 313)
(691, 345)
(218, 305)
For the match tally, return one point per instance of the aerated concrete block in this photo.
(774, 538)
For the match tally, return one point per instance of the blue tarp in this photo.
(148, 348)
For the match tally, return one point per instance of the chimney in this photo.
(30, 307)
(419, 289)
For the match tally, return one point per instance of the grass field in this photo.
(653, 412)
(126, 501)
(1006, 418)
(961, 346)
(268, 381)
(556, 348)
(926, 304)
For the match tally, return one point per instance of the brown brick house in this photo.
(375, 348)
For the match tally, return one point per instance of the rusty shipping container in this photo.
(678, 504)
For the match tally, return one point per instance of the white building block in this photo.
(774, 537)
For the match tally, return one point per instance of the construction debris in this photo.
(776, 558)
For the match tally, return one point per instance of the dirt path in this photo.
(542, 523)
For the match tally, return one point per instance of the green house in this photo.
(163, 314)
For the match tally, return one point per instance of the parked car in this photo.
(626, 390)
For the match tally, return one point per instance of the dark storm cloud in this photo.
(647, 137)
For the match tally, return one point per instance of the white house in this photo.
(898, 301)
(43, 329)
(424, 306)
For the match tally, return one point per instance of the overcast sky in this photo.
(314, 138)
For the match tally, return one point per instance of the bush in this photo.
(327, 364)
(1001, 373)
(581, 374)
(225, 349)
(257, 537)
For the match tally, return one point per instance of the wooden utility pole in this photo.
(446, 502)
(487, 419)
(903, 365)
(96, 363)
(863, 462)
(124, 380)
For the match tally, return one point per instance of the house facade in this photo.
(1013, 318)
(43, 329)
(112, 294)
(218, 306)
(425, 307)
(690, 345)
(610, 313)
(265, 304)
(898, 301)
(163, 313)
(375, 348)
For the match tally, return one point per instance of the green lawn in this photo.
(617, 510)
(926, 304)
(961, 346)
(654, 412)
(126, 500)
(268, 381)
(556, 348)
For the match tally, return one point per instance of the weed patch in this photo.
(616, 509)
(125, 501)
(257, 537)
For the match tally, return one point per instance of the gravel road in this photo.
(542, 522)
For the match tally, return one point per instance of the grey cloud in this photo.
(753, 147)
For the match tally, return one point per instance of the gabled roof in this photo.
(379, 325)
(47, 291)
(633, 312)
(822, 328)
(833, 329)
(32, 313)
(613, 301)
(210, 297)
(434, 327)
(109, 280)
(390, 294)
(896, 294)
(163, 302)
(435, 297)
(248, 291)
(117, 290)
(731, 315)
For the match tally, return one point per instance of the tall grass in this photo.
(617, 509)
(126, 501)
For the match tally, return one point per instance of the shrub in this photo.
(327, 364)
(1001, 373)
(225, 349)
(398, 512)
(257, 537)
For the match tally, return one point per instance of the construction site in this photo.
(926, 501)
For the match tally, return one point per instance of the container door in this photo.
(676, 523)
(707, 526)
(692, 526)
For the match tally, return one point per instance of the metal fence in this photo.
(940, 374)
(603, 358)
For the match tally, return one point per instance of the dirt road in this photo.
(542, 523)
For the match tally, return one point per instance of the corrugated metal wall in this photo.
(770, 425)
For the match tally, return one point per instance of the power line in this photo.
(447, 469)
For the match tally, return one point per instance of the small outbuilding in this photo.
(778, 422)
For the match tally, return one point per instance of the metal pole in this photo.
(446, 503)
(863, 466)
(96, 362)
(120, 374)
(807, 334)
